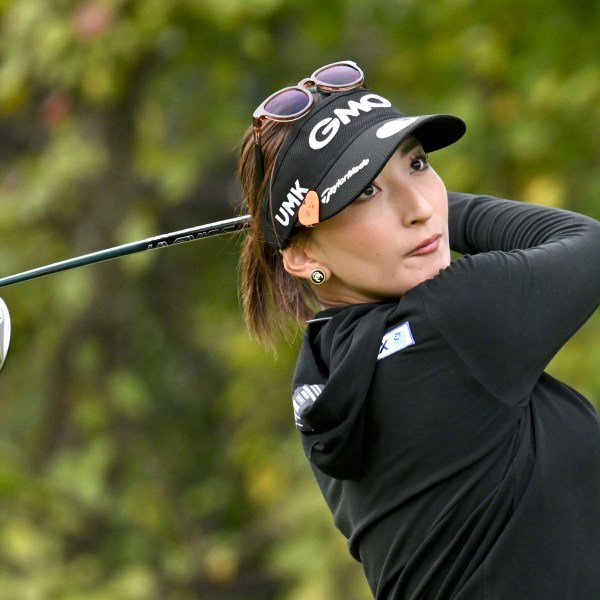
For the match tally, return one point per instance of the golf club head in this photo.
(4, 332)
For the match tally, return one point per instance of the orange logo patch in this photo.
(308, 213)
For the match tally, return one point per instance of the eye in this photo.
(419, 162)
(370, 191)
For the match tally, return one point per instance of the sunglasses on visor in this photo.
(292, 103)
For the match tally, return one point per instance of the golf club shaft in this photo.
(159, 241)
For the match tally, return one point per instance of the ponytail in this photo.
(271, 298)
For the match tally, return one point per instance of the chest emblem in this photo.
(395, 340)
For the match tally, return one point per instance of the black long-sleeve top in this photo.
(455, 467)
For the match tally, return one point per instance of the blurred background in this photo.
(147, 445)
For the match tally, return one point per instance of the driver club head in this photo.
(4, 332)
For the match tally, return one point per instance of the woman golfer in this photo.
(454, 466)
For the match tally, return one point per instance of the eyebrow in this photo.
(409, 144)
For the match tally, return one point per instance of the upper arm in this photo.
(507, 312)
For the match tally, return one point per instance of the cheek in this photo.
(337, 236)
(369, 255)
(440, 195)
(351, 253)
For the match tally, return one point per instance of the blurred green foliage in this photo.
(147, 449)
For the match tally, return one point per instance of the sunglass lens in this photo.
(339, 75)
(288, 102)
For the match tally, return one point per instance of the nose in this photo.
(416, 209)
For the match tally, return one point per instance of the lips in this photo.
(431, 244)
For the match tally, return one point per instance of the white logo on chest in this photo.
(399, 338)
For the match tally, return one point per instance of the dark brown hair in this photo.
(271, 298)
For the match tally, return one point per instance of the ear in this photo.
(297, 261)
